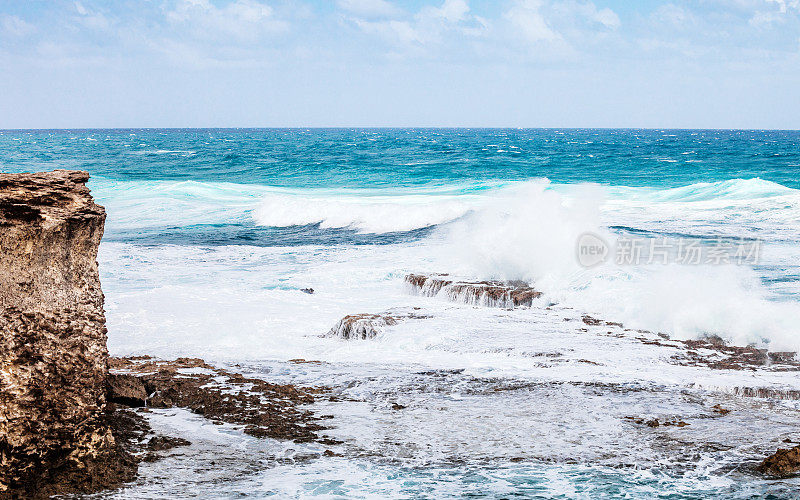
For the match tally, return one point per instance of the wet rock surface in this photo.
(263, 409)
(654, 422)
(159, 444)
(54, 430)
(361, 326)
(784, 462)
(111, 467)
(507, 294)
(728, 357)
(367, 326)
(714, 353)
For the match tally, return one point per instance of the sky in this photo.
(392, 63)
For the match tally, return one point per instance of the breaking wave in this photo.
(733, 189)
(531, 234)
(181, 203)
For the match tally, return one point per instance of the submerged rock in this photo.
(715, 353)
(506, 294)
(654, 422)
(165, 443)
(54, 434)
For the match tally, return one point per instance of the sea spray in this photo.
(531, 234)
(527, 231)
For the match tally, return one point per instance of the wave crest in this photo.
(369, 214)
(732, 189)
(180, 203)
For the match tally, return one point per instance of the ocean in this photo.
(213, 233)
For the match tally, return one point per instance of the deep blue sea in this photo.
(212, 234)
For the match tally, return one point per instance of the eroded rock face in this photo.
(53, 357)
(507, 294)
(126, 390)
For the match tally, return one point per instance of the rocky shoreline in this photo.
(65, 422)
(75, 420)
(260, 408)
(366, 326)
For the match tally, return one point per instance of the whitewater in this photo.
(517, 231)
(213, 234)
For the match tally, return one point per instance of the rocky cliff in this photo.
(53, 357)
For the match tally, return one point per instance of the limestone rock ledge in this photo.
(361, 326)
(54, 435)
(505, 294)
(366, 326)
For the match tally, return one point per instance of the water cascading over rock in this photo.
(361, 326)
(506, 294)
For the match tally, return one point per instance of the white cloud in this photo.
(370, 9)
(451, 11)
(93, 20)
(430, 25)
(559, 30)
(763, 19)
(584, 15)
(607, 18)
(242, 19)
(785, 5)
(526, 16)
(776, 12)
(674, 16)
(16, 26)
(395, 32)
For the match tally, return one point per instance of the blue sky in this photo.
(516, 63)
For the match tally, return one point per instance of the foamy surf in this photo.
(527, 231)
(617, 380)
(404, 209)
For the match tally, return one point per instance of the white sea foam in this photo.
(452, 371)
(180, 203)
(734, 189)
(145, 203)
(369, 214)
(532, 235)
(527, 231)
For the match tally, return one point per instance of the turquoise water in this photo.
(212, 233)
(353, 158)
(219, 170)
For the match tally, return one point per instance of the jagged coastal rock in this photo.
(506, 294)
(53, 357)
(784, 462)
(263, 409)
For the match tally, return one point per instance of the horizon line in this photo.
(435, 127)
